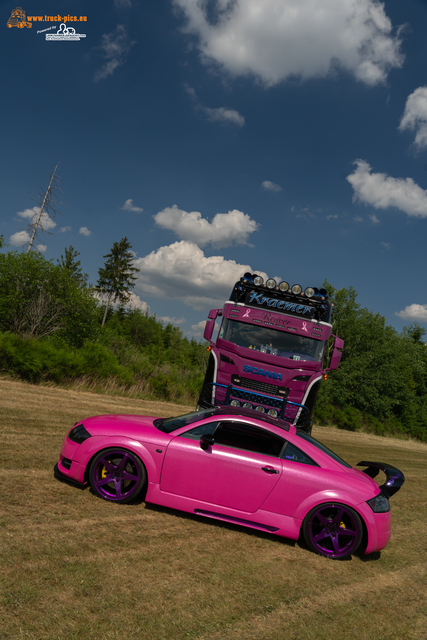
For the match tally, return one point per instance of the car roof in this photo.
(248, 413)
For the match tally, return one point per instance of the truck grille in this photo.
(257, 385)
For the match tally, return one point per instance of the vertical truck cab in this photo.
(270, 350)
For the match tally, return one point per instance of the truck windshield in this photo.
(272, 341)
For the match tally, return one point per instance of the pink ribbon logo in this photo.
(246, 315)
(304, 327)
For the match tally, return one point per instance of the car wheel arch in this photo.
(321, 497)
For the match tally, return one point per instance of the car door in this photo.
(238, 471)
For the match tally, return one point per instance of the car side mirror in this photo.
(206, 441)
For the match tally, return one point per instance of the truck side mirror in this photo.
(209, 327)
(336, 354)
(210, 323)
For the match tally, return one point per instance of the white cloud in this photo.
(415, 116)
(332, 217)
(129, 206)
(64, 229)
(374, 219)
(85, 231)
(136, 303)
(19, 239)
(219, 114)
(222, 114)
(271, 186)
(276, 39)
(225, 228)
(381, 191)
(181, 271)
(31, 214)
(169, 320)
(417, 312)
(114, 47)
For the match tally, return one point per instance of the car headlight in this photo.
(379, 504)
(79, 434)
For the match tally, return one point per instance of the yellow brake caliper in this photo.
(104, 471)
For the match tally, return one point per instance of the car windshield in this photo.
(322, 447)
(167, 425)
(272, 341)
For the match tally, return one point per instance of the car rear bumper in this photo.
(378, 527)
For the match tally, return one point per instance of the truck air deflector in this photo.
(222, 395)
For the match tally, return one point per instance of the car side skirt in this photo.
(280, 525)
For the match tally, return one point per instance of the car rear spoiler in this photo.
(395, 478)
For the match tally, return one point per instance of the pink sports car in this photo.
(239, 466)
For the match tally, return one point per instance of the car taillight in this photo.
(79, 434)
(379, 504)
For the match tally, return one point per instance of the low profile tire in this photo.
(333, 530)
(117, 475)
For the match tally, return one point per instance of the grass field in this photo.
(74, 566)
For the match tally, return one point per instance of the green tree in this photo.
(382, 374)
(39, 299)
(71, 265)
(117, 278)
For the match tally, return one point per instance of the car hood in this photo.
(131, 426)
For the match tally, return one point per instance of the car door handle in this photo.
(269, 470)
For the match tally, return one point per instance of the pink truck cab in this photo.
(269, 354)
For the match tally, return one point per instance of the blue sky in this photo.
(288, 137)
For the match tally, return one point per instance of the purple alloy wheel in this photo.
(333, 530)
(117, 475)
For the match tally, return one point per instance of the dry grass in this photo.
(73, 566)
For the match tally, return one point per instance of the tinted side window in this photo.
(200, 430)
(292, 452)
(243, 436)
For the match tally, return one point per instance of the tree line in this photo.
(56, 326)
(53, 328)
(381, 383)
